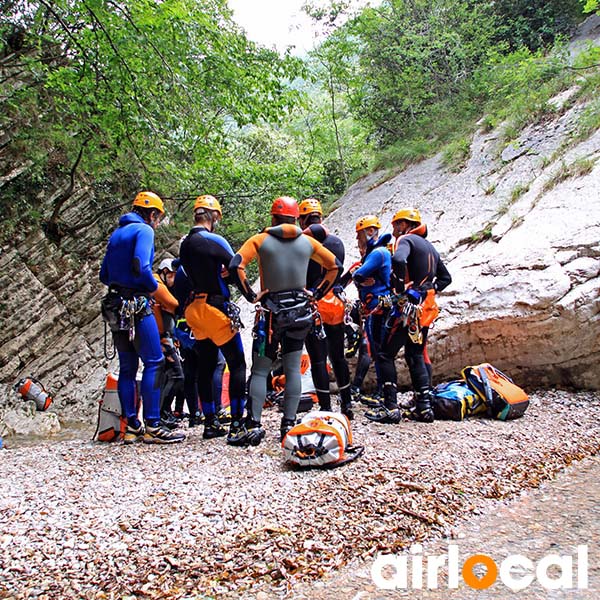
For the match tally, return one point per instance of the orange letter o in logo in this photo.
(480, 583)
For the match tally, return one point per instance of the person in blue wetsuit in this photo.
(214, 318)
(372, 278)
(127, 271)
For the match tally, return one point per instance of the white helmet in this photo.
(166, 263)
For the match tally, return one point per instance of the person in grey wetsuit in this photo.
(286, 313)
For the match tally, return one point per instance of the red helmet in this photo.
(285, 206)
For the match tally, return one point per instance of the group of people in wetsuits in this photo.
(300, 302)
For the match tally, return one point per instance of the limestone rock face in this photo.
(527, 298)
(24, 420)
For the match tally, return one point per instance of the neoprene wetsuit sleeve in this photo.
(104, 272)
(346, 278)
(237, 267)
(163, 296)
(332, 266)
(443, 277)
(399, 260)
(142, 258)
(369, 268)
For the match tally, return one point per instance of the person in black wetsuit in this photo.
(213, 318)
(332, 311)
(418, 273)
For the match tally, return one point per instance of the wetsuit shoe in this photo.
(346, 409)
(162, 435)
(133, 435)
(286, 425)
(196, 420)
(355, 393)
(213, 429)
(424, 415)
(169, 421)
(371, 401)
(382, 414)
(224, 417)
(254, 433)
(237, 434)
(423, 411)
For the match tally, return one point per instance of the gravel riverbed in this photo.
(204, 520)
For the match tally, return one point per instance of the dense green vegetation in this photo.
(171, 96)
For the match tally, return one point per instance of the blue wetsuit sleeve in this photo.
(373, 262)
(143, 256)
(104, 272)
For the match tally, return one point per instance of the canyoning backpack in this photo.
(455, 400)
(321, 439)
(503, 398)
(32, 389)
(111, 422)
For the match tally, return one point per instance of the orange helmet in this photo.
(367, 221)
(309, 206)
(408, 214)
(285, 206)
(149, 200)
(208, 202)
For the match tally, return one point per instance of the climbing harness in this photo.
(128, 312)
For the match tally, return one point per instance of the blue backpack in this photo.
(455, 400)
(183, 334)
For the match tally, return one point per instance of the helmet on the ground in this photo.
(166, 263)
(209, 203)
(285, 206)
(149, 200)
(309, 206)
(408, 214)
(367, 221)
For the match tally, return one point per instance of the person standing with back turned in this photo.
(213, 317)
(286, 315)
(332, 310)
(127, 271)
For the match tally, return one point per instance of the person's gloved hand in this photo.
(414, 297)
(397, 284)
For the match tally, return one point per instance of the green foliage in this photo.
(456, 154)
(519, 190)
(589, 122)
(171, 96)
(411, 56)
(533, 24)
(149, 91)
(482, 234)
(403, 153)
(591, 6)
(516, 87)
(578, 168)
